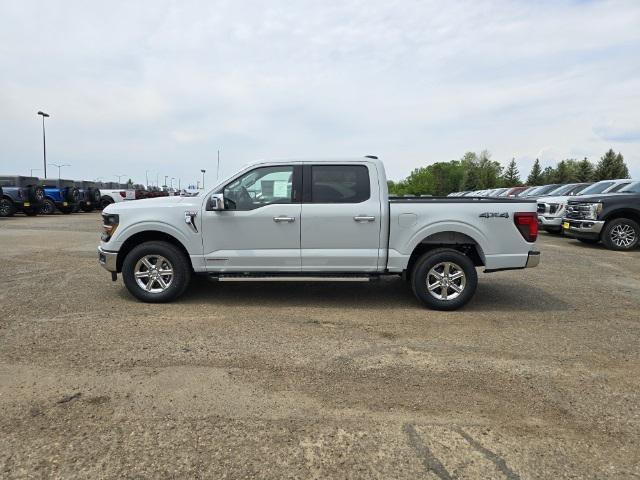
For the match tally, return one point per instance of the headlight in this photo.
(109, 225)
(593, 210)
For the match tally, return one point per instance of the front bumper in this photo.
(583, 228)
(546, 221)
(108, 260)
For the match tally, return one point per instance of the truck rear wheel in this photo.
(621, 234)
(444, 279)
(156, 272)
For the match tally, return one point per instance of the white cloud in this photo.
(161, 85)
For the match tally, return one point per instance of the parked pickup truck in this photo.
(316, 220)
(20, 194)
(613, 219)
(112, 192)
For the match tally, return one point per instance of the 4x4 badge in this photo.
(494, 215)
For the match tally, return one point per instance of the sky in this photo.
(154, 88)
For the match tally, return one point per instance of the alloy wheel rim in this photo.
(446, 281)
(623, 235)
(5, 208)
(153, 273)
(47, 208)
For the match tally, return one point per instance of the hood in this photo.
(560, 199)
(151, 203)
(604, 196)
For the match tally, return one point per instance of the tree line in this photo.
(477, 171)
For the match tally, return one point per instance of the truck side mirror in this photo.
(216, 202)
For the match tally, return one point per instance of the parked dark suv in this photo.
(89, 194)
(20, 194)
(613, 219)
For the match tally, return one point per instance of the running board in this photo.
(289, 278)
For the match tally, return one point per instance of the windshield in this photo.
(563, 189)
(596, 188)
(631, 188)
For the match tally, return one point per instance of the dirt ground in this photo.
(538, 377)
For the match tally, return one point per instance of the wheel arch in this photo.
(455, 240)
(148, 236)
(623, 213)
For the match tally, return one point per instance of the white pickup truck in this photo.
(316, 220)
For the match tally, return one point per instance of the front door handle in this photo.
(364, 218)
(284, 219)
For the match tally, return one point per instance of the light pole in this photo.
(165, 181)
(203, 172)
(120, 176)
(44, 142)
(172, 179)
(31, 170)
(146, 176)
(59, 167)
(218, 170)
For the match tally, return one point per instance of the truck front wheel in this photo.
(156, 272)
(444, 279)
(621, 234)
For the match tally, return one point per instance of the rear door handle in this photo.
(284, 219)
(364, 218)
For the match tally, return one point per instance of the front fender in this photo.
(190, 244)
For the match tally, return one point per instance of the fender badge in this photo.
(190, 219)
(494, 215)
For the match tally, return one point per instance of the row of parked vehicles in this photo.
(33, 195)
(607, 211)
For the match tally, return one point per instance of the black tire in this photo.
(621, 234)
(95, 196)
(47, 207)
(553, 230)
(7, 209)
(588, 241)
(420, 276)
(105, 202)
(66, 210)
(30, 213)
(72, 195)
(87, 208)
(178, 261)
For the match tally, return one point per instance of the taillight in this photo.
(527, 224)
(123, 194)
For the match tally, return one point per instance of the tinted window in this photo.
(632, 188)
(339, 184)
(618, 187)
(596, 188)
(260, 187)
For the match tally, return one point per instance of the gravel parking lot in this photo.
(538, 377)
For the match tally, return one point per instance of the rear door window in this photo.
(339, 184)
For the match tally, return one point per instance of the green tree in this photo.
(470, 179)
(535, 177)
(511, 177)
(548, 176)
(584, 171)
(489, 171)
(611, 166)
(562, 173)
